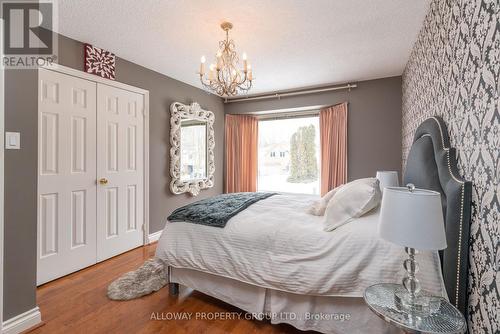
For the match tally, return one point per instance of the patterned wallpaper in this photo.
(454, 72)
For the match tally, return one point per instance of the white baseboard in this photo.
(154, 236)
(22, 321)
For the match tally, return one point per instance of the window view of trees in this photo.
(303, 162)
(289, 155)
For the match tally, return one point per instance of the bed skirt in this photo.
(325, 314)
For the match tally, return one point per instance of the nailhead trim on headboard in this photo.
(447, 149)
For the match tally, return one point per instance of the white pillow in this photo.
(318, 207)
(353, 200)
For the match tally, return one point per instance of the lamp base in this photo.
(421, 304)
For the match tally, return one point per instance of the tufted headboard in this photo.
(432, 164)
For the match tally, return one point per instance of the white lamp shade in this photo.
(387, 179)
(412, 218)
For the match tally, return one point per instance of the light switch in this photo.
(12, 140)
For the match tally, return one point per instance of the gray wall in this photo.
(20, 190)
(21, 165)
(374, 122)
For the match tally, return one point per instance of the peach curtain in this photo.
(241, 153)
(333, 139)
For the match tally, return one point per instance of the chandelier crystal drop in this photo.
(224, 78)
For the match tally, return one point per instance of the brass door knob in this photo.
(103, 181)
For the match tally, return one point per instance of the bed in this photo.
(274, 260)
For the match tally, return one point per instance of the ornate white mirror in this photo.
(192, 164)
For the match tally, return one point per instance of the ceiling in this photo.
(290, 43)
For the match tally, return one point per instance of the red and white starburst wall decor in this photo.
(99, 62)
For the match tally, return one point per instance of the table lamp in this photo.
(412, 218)
(387, 178)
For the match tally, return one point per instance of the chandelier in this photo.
(224, 78)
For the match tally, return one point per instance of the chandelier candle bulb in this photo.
(211, 75)
(219, 60)
(245, 63)
(202, 65)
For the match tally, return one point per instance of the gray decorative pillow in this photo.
(352, 201)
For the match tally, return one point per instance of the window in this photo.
(289, 155)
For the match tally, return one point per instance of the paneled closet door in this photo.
(120, 161)
(66, 175)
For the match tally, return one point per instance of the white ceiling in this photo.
(290, 43)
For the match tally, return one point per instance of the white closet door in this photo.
(120, 161)
(67, 175)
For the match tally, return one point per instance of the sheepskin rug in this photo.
(148, 278)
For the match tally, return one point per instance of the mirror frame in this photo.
(178, 111)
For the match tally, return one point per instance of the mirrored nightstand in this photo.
(446, 318)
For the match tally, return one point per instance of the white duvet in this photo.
(275, 244)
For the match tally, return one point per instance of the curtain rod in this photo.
(287, 115)
(293, 93)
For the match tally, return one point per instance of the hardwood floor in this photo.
(77, 303)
